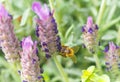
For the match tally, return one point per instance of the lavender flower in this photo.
(30, 61)
(112, 57)
(46, 29)
(90, 31)
(8, 41)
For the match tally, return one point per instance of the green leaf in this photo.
(69, 31)
(25, 17)
(103, 78)
(110, 35)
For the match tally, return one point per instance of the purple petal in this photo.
(106, 49)
(21, 44)
(33, 61)
(59, 46)
(10, 16)
(3, 12)
(24, 81)
(39, 77)
(41, 11)
(117, 47)
(0, 47)
(107, 63)
(112, 46)
(27, 44)
(36, 7)
(83, 30)
(37, 51)
(46, 50)
(53, 20)
(56, 31)
(44, 44)
(48, 56)
(90, 30)
(96, 27)
(58, 39)
(37, 31)
(89, 22)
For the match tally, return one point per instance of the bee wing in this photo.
(74, 58)
(76, 49)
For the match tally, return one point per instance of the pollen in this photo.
(67, 51)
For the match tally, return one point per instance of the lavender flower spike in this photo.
(30, 61)
(8, 41)
(90, 31)
(112, 57)
(46, 29)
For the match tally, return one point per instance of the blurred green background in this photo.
(70, 15)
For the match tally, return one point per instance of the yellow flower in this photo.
(87, 73)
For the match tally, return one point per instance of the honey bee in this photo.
(68, 52)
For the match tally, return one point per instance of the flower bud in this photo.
(90, 31)
(46, 29)
(112, 56)
(8, 41)
(30, 62)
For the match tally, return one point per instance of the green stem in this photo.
(101, 11)
(97, 62)
(107, 26)
(118, 38)
(51, 4)
(64, 75)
